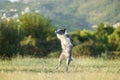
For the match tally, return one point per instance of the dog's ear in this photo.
(64, 29)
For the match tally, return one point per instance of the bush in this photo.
(8, 38)
(81, 50)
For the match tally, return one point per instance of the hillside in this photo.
(75, 14)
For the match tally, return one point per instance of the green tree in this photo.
(41, 32)
(35, 25)
(8, 38)
(114, 39)
(102, 32)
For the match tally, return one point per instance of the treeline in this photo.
(33, 35)
(30, 35)
(101, 42)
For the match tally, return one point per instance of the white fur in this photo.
(66, 45)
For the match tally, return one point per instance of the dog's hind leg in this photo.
(67, 63)
(60, 61)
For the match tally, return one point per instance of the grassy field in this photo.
(44, 69)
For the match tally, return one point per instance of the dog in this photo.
(67, 45)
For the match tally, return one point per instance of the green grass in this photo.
(44, 69)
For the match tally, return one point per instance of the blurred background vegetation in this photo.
(75, 14)
(27, 27)
(33, 35)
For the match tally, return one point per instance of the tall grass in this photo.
(44, 69)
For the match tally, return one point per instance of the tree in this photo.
(35, 25)
(8, 38)
(30, 35)
(40, 30)
(114, 39)
(103, 31)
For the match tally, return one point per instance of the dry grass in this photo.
(44, 69)
(59, 76)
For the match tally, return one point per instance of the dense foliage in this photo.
(102, 42)
(33, 35)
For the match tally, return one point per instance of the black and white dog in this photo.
(66, 43)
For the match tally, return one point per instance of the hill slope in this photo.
(73, 14)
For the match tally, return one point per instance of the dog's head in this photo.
(60, 31)
(62, 35)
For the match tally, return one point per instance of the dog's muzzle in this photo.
(57, 32)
